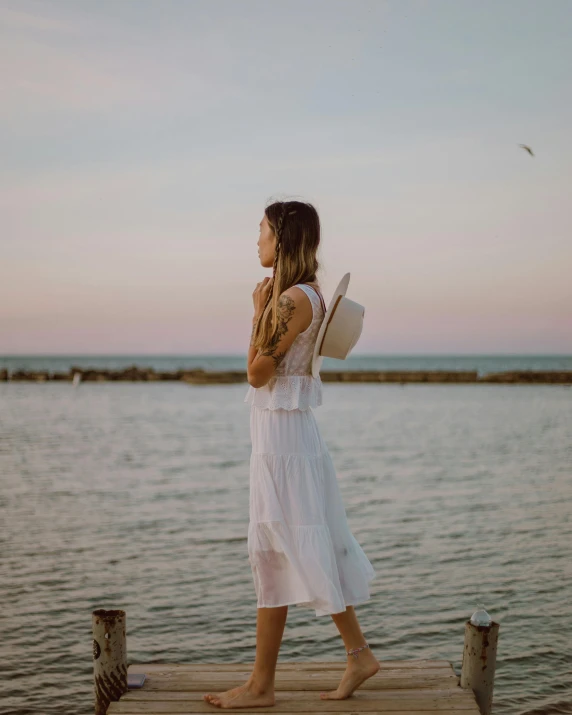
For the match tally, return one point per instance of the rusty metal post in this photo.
(479, 661)
(109, 657)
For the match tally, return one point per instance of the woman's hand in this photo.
(260, 295)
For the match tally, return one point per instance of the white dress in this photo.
(300, 547)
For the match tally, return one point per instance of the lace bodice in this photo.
(293, 386)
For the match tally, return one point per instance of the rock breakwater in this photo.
(199, 376)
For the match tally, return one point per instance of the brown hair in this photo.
(297, 228)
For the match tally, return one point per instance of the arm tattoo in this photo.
(254, 326)
(286, 307)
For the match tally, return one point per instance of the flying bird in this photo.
(528, 149)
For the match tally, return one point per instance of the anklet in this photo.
(355, 651)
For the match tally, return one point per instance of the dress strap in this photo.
(318, 294)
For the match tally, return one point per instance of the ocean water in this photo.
(135, 496)
(483, 364)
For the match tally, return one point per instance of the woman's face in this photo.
(266, 244)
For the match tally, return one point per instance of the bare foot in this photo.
(248, 695)
(358, 670)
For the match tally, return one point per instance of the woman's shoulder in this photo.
(303, 286)
(311, 284)
(311, 290)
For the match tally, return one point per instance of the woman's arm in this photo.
(252, 351)
(293, 310)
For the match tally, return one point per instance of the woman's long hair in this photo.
(297, 228)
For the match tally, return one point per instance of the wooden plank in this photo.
(339, 706)
(350, 711)
(302, 668)
(396, 694)
(304, 673)
(310, 711)
(298, 702)
(286, 665)
(303, 680)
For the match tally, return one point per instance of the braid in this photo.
(279, 224)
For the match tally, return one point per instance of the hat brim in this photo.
(316, 357)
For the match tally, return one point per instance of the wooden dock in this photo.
(401, 686)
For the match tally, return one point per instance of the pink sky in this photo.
(141, 141)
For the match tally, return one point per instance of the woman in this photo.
(300, 547)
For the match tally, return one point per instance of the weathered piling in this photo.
(109, 658)
(479, 662)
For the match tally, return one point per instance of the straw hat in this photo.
(340, 329)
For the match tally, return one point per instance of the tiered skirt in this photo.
(300, 546)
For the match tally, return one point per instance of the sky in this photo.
(140, 142)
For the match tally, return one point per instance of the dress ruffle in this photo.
(287, 392)
(319, 563)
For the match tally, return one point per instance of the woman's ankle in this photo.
(261, 683)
